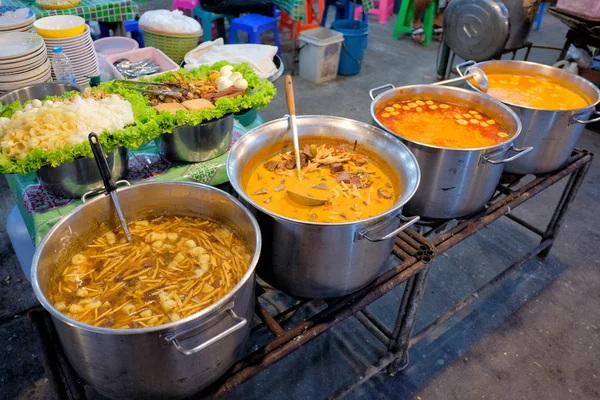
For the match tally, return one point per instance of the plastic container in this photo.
(164, 62)
(320, 54)
(62, 67)
(115, 45)
(356, 39)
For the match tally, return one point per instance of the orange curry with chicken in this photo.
(353, 185)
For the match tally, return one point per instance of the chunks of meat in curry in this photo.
(355, 186)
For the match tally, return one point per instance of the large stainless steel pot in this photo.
(198, 143)
(168, 361)
(319, 260)
(456, 182)
(74, 179)
(552, 133)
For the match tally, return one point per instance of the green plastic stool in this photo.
(207, 18)
(405, 17)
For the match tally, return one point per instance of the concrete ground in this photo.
(536, 337)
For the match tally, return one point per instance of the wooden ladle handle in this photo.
(289, 95)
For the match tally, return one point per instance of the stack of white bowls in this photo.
(13, 19)
(23, 61)
(81, 53)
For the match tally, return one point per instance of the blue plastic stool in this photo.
(206, 19)
(344, 9)
(254, 25)
(132, 27)
(538, 19)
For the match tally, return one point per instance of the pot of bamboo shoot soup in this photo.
(162, 316)
(331, 232)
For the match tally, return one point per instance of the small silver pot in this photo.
(74, 179)
(173, 360)
(552, 133)
(198, 143)
(320, 260)
(456, 182)
(38, 91)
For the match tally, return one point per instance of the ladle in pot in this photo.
(109, 182)
(476, 73)
(296, 193)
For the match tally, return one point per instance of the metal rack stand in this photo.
(415, 252)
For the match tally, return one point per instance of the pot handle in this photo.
(101, 190)
(387, 86)
(409, 222)
(174, 338)
(589, 121)
(520, 152)
(469, 63)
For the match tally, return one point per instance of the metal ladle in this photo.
(476, 73)
(109, 182)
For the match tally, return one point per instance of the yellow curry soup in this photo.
(441, 124)
(175, 267)
(534, 92)
(357, 184)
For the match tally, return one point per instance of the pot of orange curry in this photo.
(359, 177)
(553, 105)
(161, 317)
(460, 138)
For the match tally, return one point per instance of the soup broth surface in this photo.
(441, 124)
(534, 91)
(355, 185)
(175, 267)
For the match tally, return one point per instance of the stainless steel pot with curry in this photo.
(331, 232)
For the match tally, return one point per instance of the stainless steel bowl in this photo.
(38, 91)
(172, 360)
(198, 143)
(322, 260)
(73, 179)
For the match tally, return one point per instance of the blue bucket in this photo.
(356, 39)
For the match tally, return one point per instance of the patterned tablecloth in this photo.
(297, 8)
(91, 10)
(41, 210)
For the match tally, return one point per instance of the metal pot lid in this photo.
(476, 30)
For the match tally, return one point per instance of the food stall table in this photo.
(91, 10)
(40, 210)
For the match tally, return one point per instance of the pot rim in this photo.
(545, 67)
(200, 315)
(450, 88)
(376, 218)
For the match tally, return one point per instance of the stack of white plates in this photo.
(14, 19)
(23, 60)
(81, 53)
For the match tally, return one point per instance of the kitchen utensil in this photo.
(141, 87)
(289, 96)
(552, 133)
(472, 72)
(108, 180)
(322, 260)
(173, 360)
(136, 69)
(456, 182)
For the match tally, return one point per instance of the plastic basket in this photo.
(174, 45)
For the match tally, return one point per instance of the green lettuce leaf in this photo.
(149, 124)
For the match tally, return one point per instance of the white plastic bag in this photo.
(169, 22)
(259, 56)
